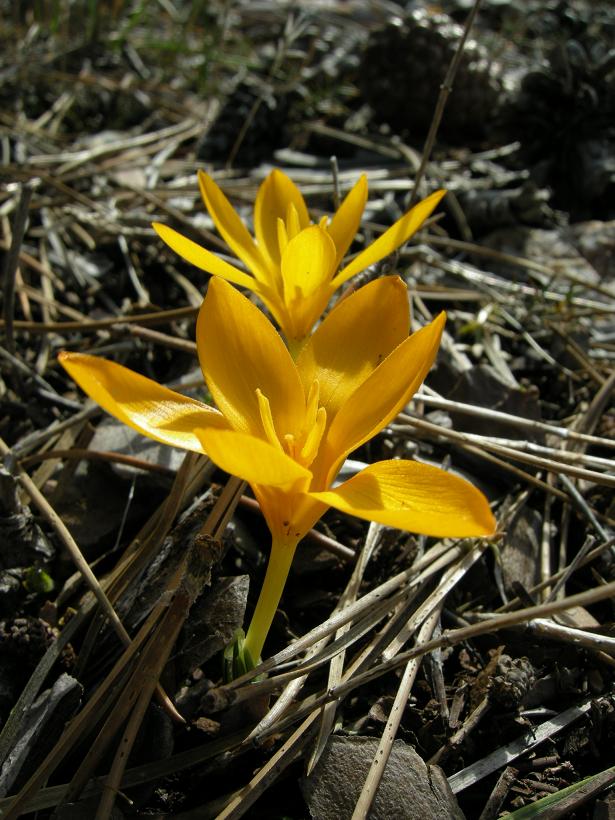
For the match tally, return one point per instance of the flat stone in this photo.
(409, 789)
(555, 248)
(113, 436)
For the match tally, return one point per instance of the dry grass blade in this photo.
(182, 590)
(105, 120)
(449, 580)
(143, 549)
(11, 263)
(236, 808)
(55, 795)
(369, 654)
(533, 425)
(285, 755)
(580, 637)
(528, 264)
(445, 90)
(72, 159)
(492, 624)
(116, 709)
(152, 661)
(104, 698)
(581, 559)
(69, 542)
(363, 659)
(428, 613)
(336, 666)
(566, 801)
(496, 284)
(293, 688)
(588, 421)
(83, 724)
(447, 639)
(385, 745)
(97, 455)
(12, 725)
(159, 317)
(371, 607)
(501, 757)
(515, 455)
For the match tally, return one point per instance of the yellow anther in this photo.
(264, 409)
(314, 437)
(311, 405)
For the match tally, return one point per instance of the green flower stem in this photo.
(282, 553)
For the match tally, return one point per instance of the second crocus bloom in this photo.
(292, 265)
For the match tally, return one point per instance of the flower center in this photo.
(302, 446)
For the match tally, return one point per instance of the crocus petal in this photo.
(240, 351)
(204, 259)
(391, 239)
(380, 397)
(307, 264)
(356, 336)
(254, 460)
(143, 404)
(274, 196)
(293, 224)
(231, 227)
(415, 497)
(347, 218)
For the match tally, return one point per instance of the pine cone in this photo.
(563, 116)
(264, 133)
(404, 65)
(512, 681)
(27, 638)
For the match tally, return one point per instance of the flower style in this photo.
(293, 265)
(287, 426)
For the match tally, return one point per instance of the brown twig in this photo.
(11, 263)
(445, 90)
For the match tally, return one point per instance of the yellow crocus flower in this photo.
(292, 269)
(286, 426)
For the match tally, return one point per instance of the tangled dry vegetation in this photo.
(404, 677)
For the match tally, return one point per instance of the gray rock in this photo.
(116, 437)
(520, 552)
(23, 541)
(484, 386)
(213, 620)
(550, 247)
(96, 504)
(605, 808)
(409, 789)
(42, 726)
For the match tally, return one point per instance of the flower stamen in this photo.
(314, 437)
(264, 408)
(311, 405)
(290, 445)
